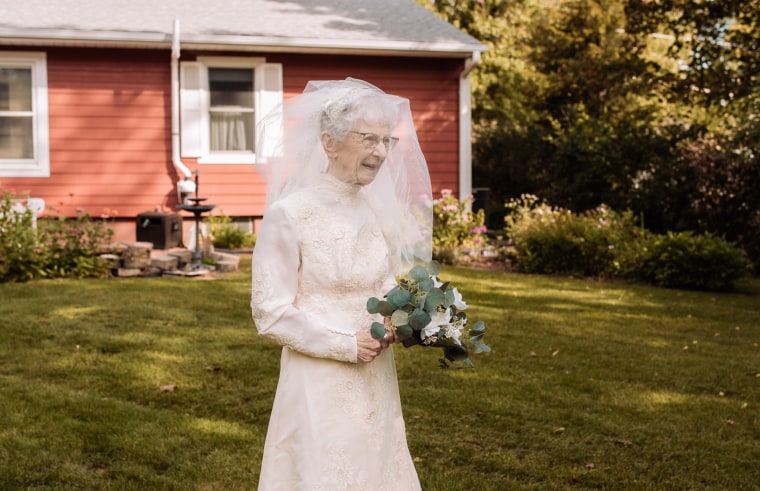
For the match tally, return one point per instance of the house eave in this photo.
(159, 40)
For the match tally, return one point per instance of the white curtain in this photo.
(231, 132)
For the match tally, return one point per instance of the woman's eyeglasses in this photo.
(371, 140)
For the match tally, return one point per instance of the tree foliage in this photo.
(650, 106)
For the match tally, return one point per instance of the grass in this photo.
(590, 385)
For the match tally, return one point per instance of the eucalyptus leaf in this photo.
(479, 326)
(480, 348)
(400, 318)
(398, 298)
(448, 298)
(434, 268)
(404, 332)
(412, 340)
(455, 353)
(419, 273)
(384, 308)
(478, 338)
(377, 330)
(372, 305)
(434, 299)
(419, 319)
(427, 285)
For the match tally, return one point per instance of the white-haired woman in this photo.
(348, 207)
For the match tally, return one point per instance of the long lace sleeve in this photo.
(275, 277)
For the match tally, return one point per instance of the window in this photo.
(24, 146)
(221, 101)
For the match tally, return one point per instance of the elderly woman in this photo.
(348, 208)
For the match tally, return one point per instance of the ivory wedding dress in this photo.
(335, 424)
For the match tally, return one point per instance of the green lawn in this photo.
(590, 385)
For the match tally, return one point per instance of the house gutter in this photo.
(238, 43)
(465, 126)
(187, 185)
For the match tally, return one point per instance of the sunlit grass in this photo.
(164, 384)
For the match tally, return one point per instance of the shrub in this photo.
(72, 247)
(555, 241)
(20, 258)
(58, 247)
(456, 229)
(226, 235)
(686, 260)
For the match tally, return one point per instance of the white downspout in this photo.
(465, 127)
(187, 185)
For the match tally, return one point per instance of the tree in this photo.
(644, 105)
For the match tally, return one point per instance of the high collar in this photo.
(339, 188)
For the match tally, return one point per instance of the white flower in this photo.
(453, 333)
(458, 301)
(438, 319)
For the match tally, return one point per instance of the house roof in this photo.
(399, 27)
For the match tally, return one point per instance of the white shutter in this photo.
(193, 109)
(269, 96)
(270, 88)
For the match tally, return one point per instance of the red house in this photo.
(107, 106)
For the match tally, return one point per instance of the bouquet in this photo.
(421, 310)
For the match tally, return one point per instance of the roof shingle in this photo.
(373, 26)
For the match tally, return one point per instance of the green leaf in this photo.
(398, 298)
(412, 340)
(427, 285)
(400, 318)
(448, 298)
(477, 344)
(480, 348)
(404, 332)
(377, 330)
(479, 327)
(455, 353)
(419, 273)
(434, 299)
(372, 304)
(384, 308)
(434, 268)
(419, 319)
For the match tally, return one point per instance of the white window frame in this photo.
(195, 105)
(39, 165)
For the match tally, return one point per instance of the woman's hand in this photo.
(368, 348)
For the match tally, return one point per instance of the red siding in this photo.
(110, 128)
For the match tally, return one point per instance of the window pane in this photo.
(231, 87)
(231, 131)
(16, 138)
(15, 89)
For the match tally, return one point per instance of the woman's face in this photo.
(358, 158)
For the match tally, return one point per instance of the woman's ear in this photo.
(328, 143)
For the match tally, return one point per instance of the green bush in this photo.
(20, 258)
(601, 242)
(59, 247)
(457, 231)
(226, 235)
(686, 260)
(549, 240)
(72, 247)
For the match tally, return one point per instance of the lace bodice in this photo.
(333, 238)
